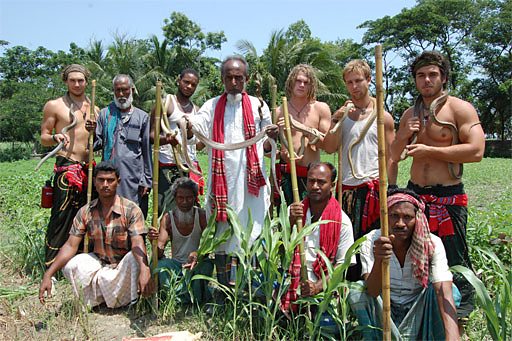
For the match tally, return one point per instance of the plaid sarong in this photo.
(255, 178)
(440, 221)
(371, 210)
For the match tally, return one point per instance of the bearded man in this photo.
(122, 133)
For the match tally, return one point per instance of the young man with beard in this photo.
(358, 136)
(122, 133)
(183, 226)
(237, 177)
(440, 139)
(168, 170)
(117, 270)
(422, 300)
(333, 237)
(301, 88)
(70, 179)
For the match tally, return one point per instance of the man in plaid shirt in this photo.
(116, 270)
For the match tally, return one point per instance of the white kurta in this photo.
(239, 198)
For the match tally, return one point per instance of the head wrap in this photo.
(421, 247)
(75, 68)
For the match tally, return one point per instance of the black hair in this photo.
(189, 70)
(329, 165)
(431, 58)
(106, 166)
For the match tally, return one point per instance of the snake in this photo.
(64, 130)
(354, 142)
(438, 102)
(182, 120)
(305, 130)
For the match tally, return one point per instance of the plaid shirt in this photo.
(111, 241)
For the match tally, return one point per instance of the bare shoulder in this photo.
(322, 107)
(407, 114)
(462, 110)
(388, 119)
(53, 106)
(202, 218)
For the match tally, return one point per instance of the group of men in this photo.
(427, 222)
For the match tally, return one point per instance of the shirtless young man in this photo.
(301, 87)
(69, 180)
(360, 173)
(444, 142)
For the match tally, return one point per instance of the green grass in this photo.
(23, 225)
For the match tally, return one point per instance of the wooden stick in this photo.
(156, 147)
(295, 187)
(383, 186)
(273, 101)
(92, 117)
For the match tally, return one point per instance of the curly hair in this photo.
(309, 72)
(431, 58)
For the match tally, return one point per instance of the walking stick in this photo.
(156, 147)
(383, 185)
(295, 187)
(273, 189)
(92, 117)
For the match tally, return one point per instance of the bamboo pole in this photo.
(383, 185)
(273, 101)
(156, 147)
(92, 117)
(273, 105)
(295, 187)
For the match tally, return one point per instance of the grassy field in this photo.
(23, 224)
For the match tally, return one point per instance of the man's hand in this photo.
(411, 126)
(90, 125)
(171, 139)
(153, 233)
(310, 288)
(338, 114)
(273, 131)
(383, 248)
(60, 138)
(296, 212)
(418, 150)
(45, 288)
(143, 191)
(145, 285)
(191, 261)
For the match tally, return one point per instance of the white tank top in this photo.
(182, 246)
(166, 155)
(364, 154)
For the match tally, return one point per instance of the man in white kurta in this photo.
(234, 77)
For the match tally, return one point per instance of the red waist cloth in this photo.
(371, 210)
(439, 220)
(75, 174)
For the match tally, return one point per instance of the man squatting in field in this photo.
(439, 143)
(358, 135)
(168, 169)
(117, 269)
(69, 179)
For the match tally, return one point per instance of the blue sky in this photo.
(55, 24)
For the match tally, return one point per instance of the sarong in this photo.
(116, 285)
(419, 320)
(169, 268)
(456, 247)
(353, 203)
(67, 200)
(286, 182)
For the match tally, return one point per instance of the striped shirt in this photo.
(111, 240)
(405, 288)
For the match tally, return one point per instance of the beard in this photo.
(234, 98)
(123, 103)
(184, 217)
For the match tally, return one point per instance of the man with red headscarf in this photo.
(422, 300)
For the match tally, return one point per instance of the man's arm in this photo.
(471, 138)
(408, 126)
(447, 309)
(382, 249)
(324, 122)
(162, 235)
(67, 251)
(48, 125)
(389, 130)
(139, 252)
(145, 181)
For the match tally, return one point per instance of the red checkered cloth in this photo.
(439, 218)
(255, 178)
(371, 210)
(422, 248)
(329, 239)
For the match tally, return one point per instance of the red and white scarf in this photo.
(255, 178)
(329, 239)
